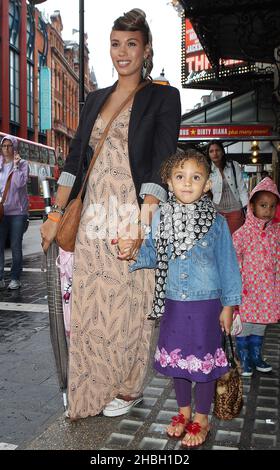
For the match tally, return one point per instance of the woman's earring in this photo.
(144, 68)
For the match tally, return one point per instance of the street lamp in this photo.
(81, 57)
(161, 80)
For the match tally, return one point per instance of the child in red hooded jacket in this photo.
(257, 245)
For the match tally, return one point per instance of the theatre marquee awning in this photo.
(231, 75)
(227, 132)
(247, 30)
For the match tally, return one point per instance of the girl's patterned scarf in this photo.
(180, 227)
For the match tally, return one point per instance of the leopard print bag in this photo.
(228, 399)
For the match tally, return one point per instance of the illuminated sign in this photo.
(196, 59)
(196, 66)
(222, 131)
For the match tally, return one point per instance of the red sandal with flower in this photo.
(195, 429)
(176, 421)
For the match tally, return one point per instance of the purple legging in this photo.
(204, 394)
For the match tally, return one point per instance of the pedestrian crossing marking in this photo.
(6, 446)
(28, 270)
(22, 307)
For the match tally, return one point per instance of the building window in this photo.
(56, 79)
(30, 96)
(14, 86)
(41, 25)
(14, 20)
(30, 67)
(30, 34)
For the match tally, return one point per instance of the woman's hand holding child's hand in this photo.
(128, 248)
(226, 319)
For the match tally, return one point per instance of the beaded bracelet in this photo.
(56, 208)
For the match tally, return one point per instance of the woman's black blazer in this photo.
(152, 135)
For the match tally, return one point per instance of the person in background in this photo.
(258, 251)
(276, 218)
(197, 284)
(15, 208)
(109, 332)
(230, 195)
(264, 174)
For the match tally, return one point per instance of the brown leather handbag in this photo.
(69, 224)
(4, 197)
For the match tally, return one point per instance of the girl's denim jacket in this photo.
(208, 271)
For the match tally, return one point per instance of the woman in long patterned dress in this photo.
(110, 334)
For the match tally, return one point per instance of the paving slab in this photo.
(32, 416)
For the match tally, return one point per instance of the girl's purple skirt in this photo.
(189, 344)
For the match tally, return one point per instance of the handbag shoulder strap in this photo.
(234, 173)
(106, 130)
(229, 351)
(7, 187)
(236, 185)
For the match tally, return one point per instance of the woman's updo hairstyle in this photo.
(135, 20)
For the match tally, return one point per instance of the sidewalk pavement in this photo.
(32, 416)
(29, 397)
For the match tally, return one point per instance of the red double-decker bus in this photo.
(42, 164)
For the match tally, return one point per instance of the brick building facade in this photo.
(65, 83)
(27, 43)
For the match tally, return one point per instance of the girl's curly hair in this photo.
(178, 159)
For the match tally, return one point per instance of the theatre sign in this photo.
(196, 69)
(227, 132)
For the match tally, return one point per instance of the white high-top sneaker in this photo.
(14, 284)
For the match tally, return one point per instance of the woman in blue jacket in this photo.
(197, 284)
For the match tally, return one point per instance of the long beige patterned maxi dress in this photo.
(110, 335)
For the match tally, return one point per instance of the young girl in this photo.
(197, 283)
(257, 245)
